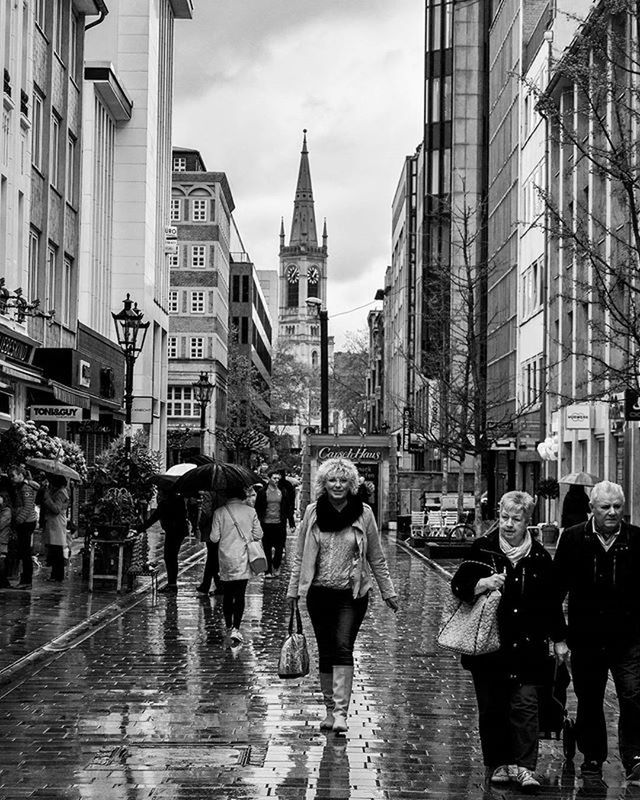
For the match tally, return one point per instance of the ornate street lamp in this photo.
(202, 391)
(323, 316)
(131, 332)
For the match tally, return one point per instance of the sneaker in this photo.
(633, 773)
(527, 780)
(235, 637)
(201, 592)
(170, 588)
(504, 773)
(591, 767)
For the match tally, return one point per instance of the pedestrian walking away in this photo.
(232, 525)
(575, 507)
(212, 564)
(171, 513)
(597, 564)
(25, 518)
(275, 505)
(6, 514)
(530, 613)
(55, 503)
(338, 547)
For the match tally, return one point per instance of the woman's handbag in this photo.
(471, 629)
(255, 550)
(294, 656)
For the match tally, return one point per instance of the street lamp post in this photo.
(323, 316)
(129, 328)
(202, 391)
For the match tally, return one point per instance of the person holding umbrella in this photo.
(171, 513)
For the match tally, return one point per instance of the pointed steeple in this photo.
(324, 234)
(281, 231)
(303, 224)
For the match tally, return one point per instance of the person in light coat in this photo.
(232, 526)
(55, 502)
(338, 549)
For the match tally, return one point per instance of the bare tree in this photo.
(348, 382)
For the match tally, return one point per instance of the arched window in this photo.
(293, 287)
(314, 358)
(313, 282)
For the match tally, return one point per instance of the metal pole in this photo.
(128, 407)
(324, 372)
(203, 409)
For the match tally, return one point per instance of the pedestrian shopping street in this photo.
(154, 705)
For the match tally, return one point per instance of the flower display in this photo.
(24, 440)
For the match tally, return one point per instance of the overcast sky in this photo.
(251, 74)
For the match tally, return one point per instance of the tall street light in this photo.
(202, 391)
(131, 332)
(323, 316)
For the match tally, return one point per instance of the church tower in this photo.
(303, 272)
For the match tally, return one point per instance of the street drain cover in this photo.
(171, 755)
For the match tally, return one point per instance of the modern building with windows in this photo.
(198, 302)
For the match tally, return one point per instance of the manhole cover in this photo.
(171, 755)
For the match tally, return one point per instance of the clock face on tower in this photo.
(313, 275)
(292, 273)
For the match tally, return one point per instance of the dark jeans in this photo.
(274, 538)
(590, 668)
(56, 559)
(211, 568)
(172, 544)
(24, 532)
(233, 602)
(508, 721)
(336, 618)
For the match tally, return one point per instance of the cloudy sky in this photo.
(251, 74)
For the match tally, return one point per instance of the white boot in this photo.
(342, 681)
(326, 685)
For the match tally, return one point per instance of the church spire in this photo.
(303, 224)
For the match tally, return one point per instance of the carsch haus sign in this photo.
(357, 454)
(58, 413)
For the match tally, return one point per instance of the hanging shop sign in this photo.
(355, 454)
(142, 410)
(56, 413)
(578, 416)
(632, 405)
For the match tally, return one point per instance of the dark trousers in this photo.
(274, 538)
(233, 602)
(336, 618)
(508, 721)
(590, 668)
(172, 544)
(211, 568)
(56, 559)
(24, 532)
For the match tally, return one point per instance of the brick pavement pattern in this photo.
(156, 706)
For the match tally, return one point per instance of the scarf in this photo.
(517, 552)
(328, 517)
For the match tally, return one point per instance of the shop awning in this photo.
(68, 396)
(24, 374)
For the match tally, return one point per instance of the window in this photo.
(314, 358)
(51, 279)
(54, 167)
(315, 331)
(34, 257)
(172, 346)
(175, 211)
(40, 13)
(180, 164)
(174, 261)
(64, 312)
(36, 131)
(180, 402)
(57, 27)
(197, 303)
(244, 330)
(6, 132)
(290, 330)
(532, 288)
(196, 347)
(245, 288)
(70, 188)
(198, 256)
(199, 210)
(235, 289)
(73, 46)
(531, 382)
(173, 302)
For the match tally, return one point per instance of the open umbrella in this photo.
(218, 476)
(167, 480)
(53, 467)
(580, 479)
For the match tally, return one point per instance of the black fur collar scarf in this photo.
(330, 519)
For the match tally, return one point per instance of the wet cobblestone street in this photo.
(154, 706)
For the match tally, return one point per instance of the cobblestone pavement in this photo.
(156, 706)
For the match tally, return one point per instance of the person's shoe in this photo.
(633, 773)
(591, 767)
(170, 588)
(201, 592)
(235, 637)
(504, 773)
(527, 780)
(218, 591)
(326, 686)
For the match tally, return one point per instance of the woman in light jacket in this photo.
(232, 526)
(55, 502)
(338, 548)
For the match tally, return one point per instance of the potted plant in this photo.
(549, 488)
(114, 514)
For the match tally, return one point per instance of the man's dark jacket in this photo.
(603, 587)
(287, 503)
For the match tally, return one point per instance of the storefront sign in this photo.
(57, 413)
(142, 410)
(578, 416)
(84, 373)
(357, 454)
(14, 348)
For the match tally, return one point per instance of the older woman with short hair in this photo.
(337, 550)
(506, 682)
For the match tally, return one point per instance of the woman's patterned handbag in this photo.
(471, 629)
(294, 656)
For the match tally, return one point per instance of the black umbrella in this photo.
(216, 477)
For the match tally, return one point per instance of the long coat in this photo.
(529, 614)
(55, 505)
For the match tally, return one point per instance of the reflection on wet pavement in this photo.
(156, 705)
